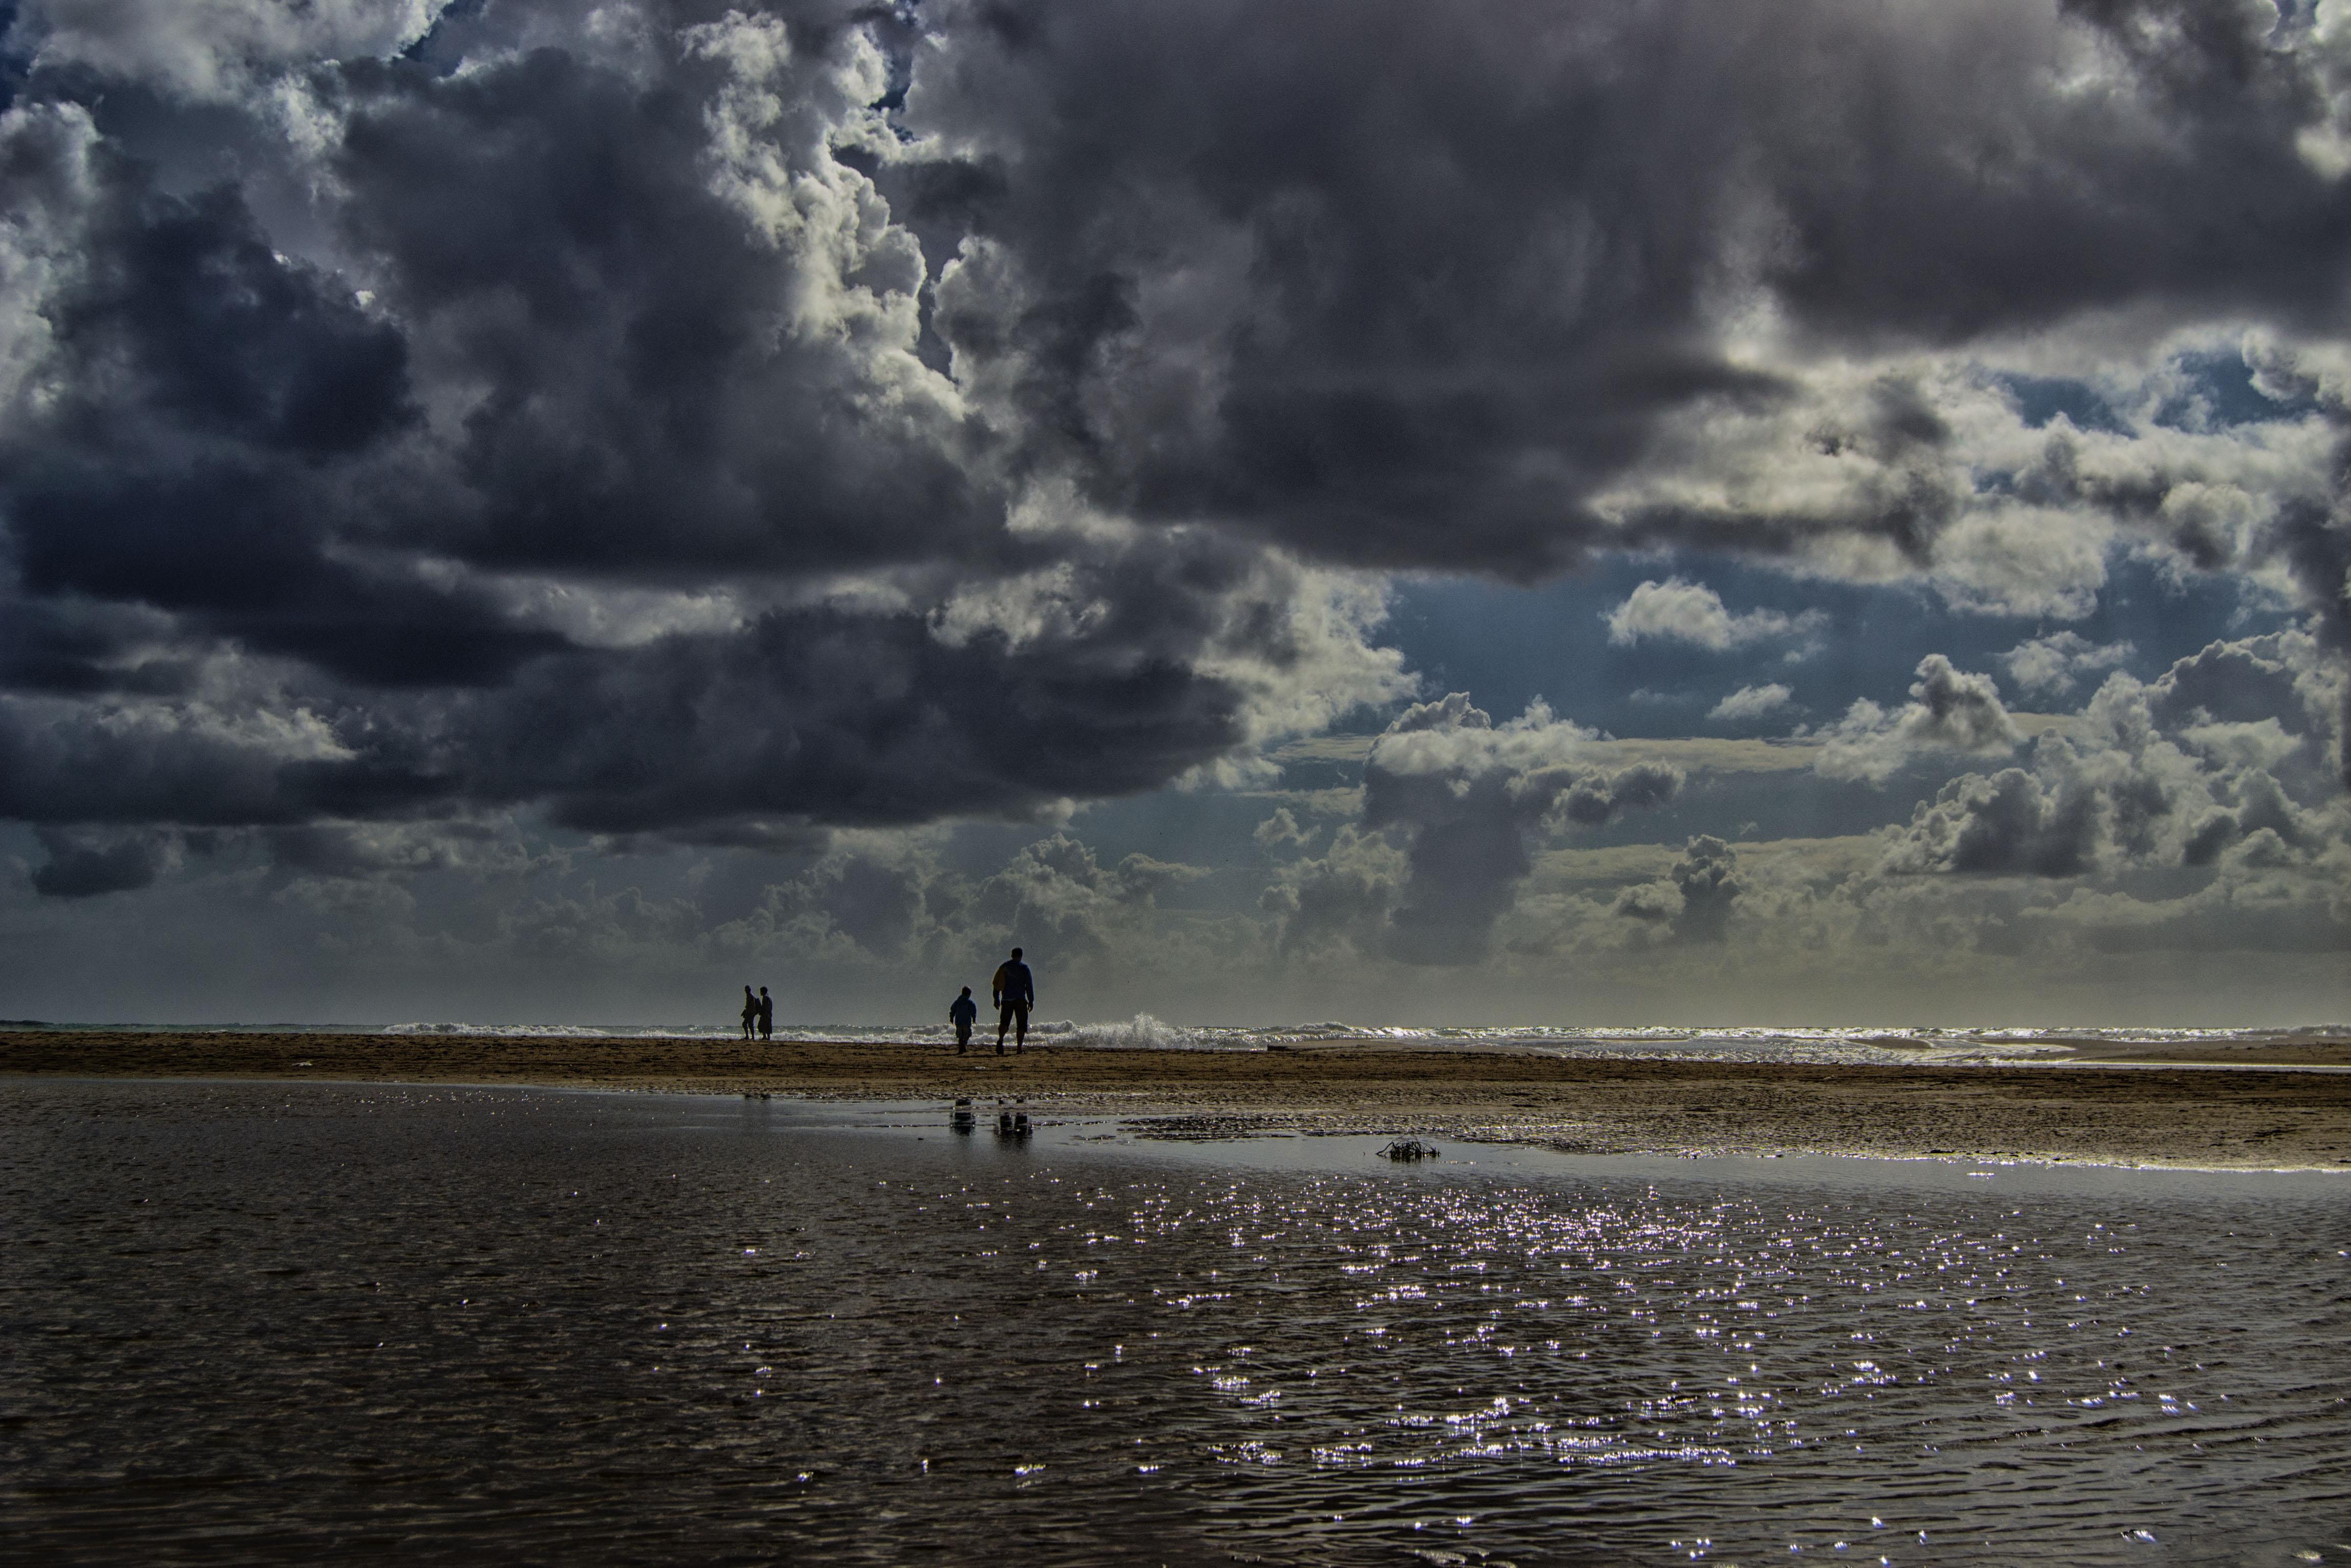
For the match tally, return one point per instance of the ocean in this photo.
(1859, 1044)
(299, 1322)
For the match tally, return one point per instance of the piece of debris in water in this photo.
(1409, 1149)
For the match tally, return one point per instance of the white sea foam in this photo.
(1144, 1032)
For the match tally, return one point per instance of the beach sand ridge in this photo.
(2093, 1110)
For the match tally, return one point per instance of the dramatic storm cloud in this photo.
(588, 458)
(459, 462)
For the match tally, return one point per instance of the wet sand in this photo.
(2094, 1110)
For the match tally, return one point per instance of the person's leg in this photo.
(1021, 1033)
(1003, 1022)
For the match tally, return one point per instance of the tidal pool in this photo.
(246, 1322)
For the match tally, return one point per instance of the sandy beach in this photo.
(2182, 1107)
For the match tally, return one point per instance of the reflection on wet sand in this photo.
(2194, 1116)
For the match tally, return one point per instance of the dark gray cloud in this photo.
(842, 717)
(729, 422)
(82, 864)
(672, 381)
(1693, 900)
(1707, 876)
(574, 445)
(1328, 270)
(2009, 822)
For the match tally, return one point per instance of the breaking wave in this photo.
(1144, 1032)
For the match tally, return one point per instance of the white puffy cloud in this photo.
(1917, 467)
(1675, 610)
(2145, 779)
(1950, 711)
(1748, 703)
(1283, 829)
(2055, 664)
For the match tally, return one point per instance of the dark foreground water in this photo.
(316, 1322)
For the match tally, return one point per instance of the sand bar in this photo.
(2202, 1115)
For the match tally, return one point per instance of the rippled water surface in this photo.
(247, 1322)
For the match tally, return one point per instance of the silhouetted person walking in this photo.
(963, 1012)
(751, 1013)
(767, 1015)
(1016, 993)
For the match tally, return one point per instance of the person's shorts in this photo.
(1014, 1012)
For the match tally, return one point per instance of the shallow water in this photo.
(294, 1322)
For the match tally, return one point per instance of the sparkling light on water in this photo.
(297, 1321)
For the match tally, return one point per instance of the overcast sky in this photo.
(1517, 510)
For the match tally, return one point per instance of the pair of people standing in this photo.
(758, 1014)
(1014, 992)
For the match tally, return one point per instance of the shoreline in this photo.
(2179, 1109)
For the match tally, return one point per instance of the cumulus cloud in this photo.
(2150, 778)
(1748, 703)
(877, 900)
(1707, 877)
(1345, 896)
(1693, 900)
(1675, 610)
(1456, 800)
(2009, 822)
(1283, 829)
(2056, 663)
(1950, 711)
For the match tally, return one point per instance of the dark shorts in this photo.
(1014, 1012)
